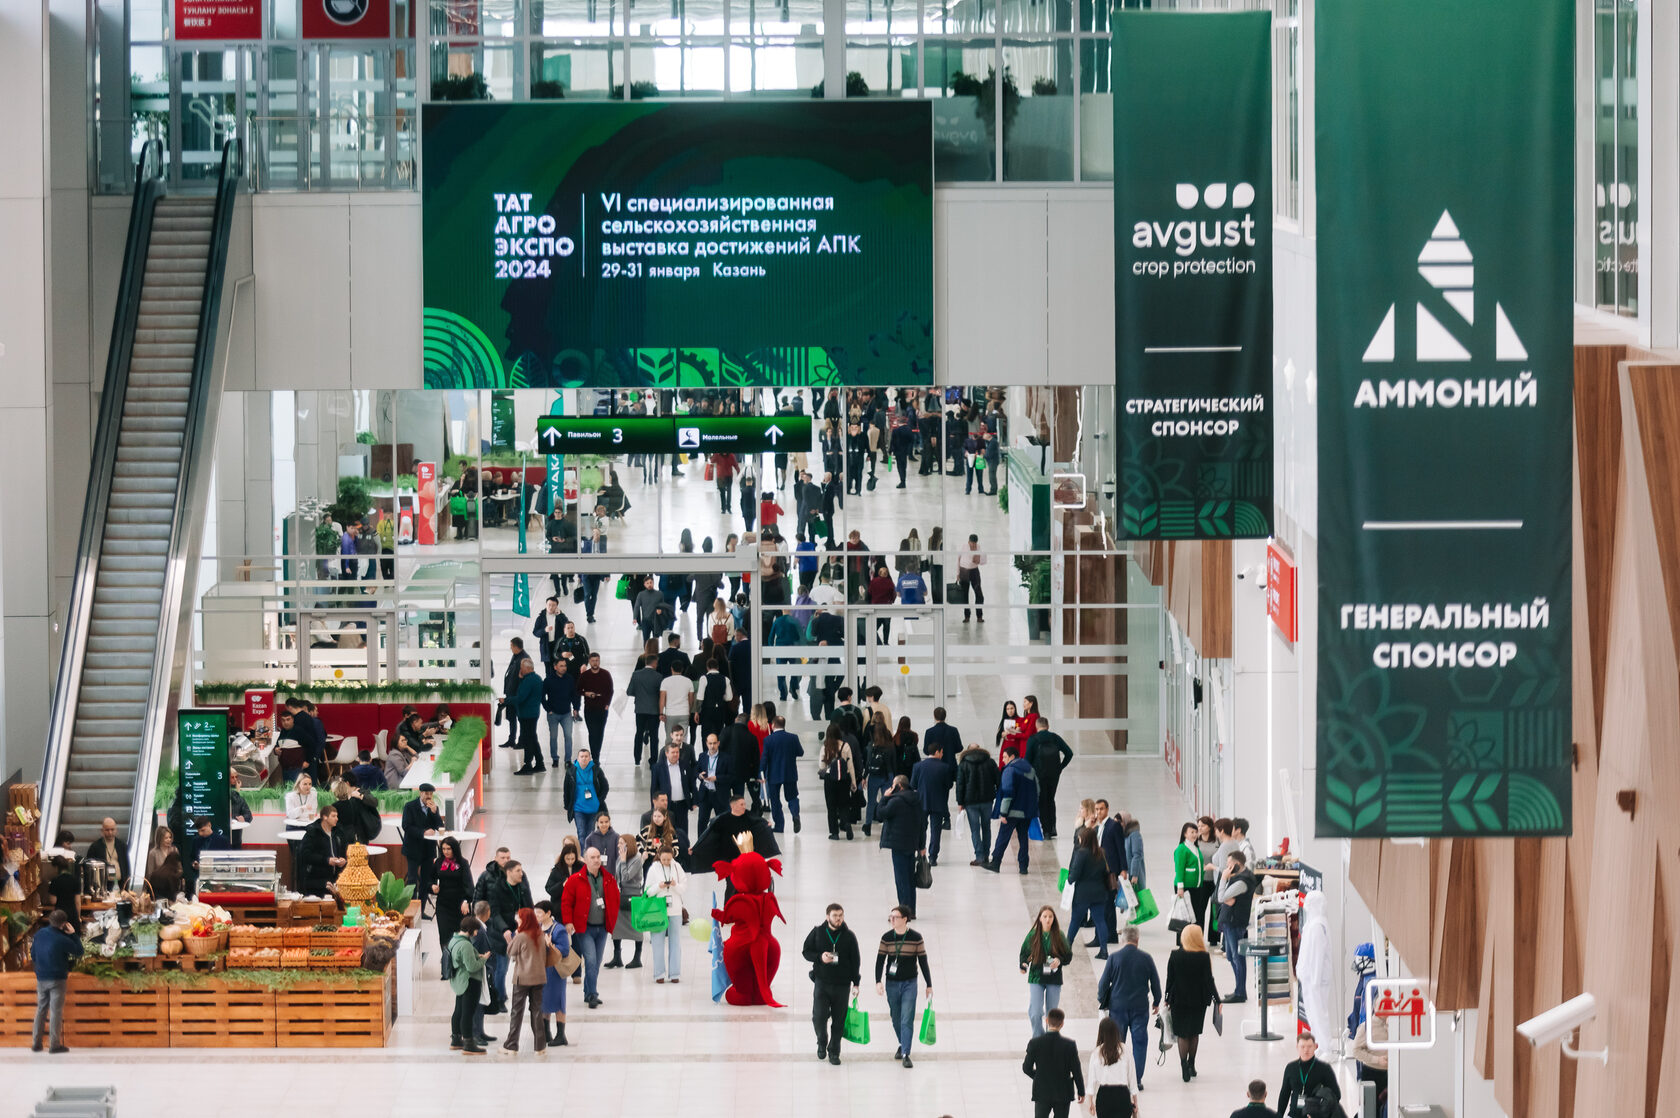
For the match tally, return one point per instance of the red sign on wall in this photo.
(425, 478)
(1280, 592)
(222, 20)
(259, 707)
(346, 19)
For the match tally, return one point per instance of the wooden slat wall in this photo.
(1513, 927)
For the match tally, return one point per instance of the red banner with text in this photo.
(221, 20)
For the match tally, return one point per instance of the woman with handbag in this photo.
(1111, 1084)
(630, 871)
(527, 954)
(1189, 871)
(554, 984)
(839, 777)
(665, 878)
(1189, 991)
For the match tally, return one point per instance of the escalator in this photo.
(123, 639)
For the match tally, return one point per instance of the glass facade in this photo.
(1616, 156)
(1022, 86)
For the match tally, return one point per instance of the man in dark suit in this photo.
(712, 779)
(932, 779)
(1128, 986)
(1112, 839)
(419, 817)
(547, 628)
(740, 669)
(1052, 1064)
(740, 745)
(1256, 1107)
(942, 733)
(510, 686)
(673, 778)
(778, 764)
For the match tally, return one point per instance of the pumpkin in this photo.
(170, 933)
(170, 946)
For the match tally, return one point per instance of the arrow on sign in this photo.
(773, 432)
(552, 437)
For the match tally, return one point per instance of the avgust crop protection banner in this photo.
(1193, 273)
(1445, 403)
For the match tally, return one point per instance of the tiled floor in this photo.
(669, 1049)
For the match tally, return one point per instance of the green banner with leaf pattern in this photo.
(1193, 273)
(1445, 153)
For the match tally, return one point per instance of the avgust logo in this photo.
(345, 12)
(1447, 265)
(1185, 235)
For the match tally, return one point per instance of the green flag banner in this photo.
(1193, 273)
(1445, 154)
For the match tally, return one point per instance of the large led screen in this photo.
(713, 244)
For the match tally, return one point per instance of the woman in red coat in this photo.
(589, 909)
(1025, 726)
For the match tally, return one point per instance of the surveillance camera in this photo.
(1250, 571)
(1558, 1022)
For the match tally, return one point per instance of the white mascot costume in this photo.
(1314, 969)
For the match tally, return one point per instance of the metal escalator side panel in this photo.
(148, 191)
(191, 495)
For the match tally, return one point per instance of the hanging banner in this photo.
(1193, 273)
(1445, 417)
(346, 19)
(221, 20)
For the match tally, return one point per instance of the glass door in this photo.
(213, 87)
(901, 650)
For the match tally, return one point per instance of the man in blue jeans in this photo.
(54, 948)
(589, 906)
(1236, 901)
(1128, 985)
(1015, 809)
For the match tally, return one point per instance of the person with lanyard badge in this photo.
(1044, 953)
(585, 792)
(832, 950)
(587, 904)
(1309, 1085)
(900, 953)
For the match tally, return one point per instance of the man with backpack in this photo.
(977, 778)
(1015, 809)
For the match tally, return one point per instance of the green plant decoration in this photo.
(458, 746)
(984, 91)
(469, 87)
(548, 91)
(394, 894)
(348, 691)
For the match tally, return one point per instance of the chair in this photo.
(339, 763)
(379, 744)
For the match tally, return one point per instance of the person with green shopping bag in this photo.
(665, 881)
(836, 969)
(1133, 871)
(896, 959)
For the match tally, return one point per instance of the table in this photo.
(1264, 951)
(239, 824)
(293, 836)
(463, 836)
(374, 851)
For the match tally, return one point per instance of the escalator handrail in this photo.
(149, 187)
(197, 450)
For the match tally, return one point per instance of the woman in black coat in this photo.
(1189, 991)
(568, 863)
(1088, 875)
(452, 887)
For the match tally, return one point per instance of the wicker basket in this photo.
(201, 946)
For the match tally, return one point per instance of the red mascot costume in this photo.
(750, 954)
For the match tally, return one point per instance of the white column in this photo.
(1659, 172)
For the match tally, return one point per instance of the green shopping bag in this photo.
(648, 914)
(857, 1024)
(1147, 909)
(622, 590)
(1061, 880)
(929, 1034)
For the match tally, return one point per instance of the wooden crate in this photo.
(221, 1015)
(17, 1008)
(206, 964)
(332, 1015)
(111, 1015)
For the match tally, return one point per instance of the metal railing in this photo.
(79, 610)
(191, 493)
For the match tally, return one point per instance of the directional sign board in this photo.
(605, 434)
(202, 740)
(748, 434)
